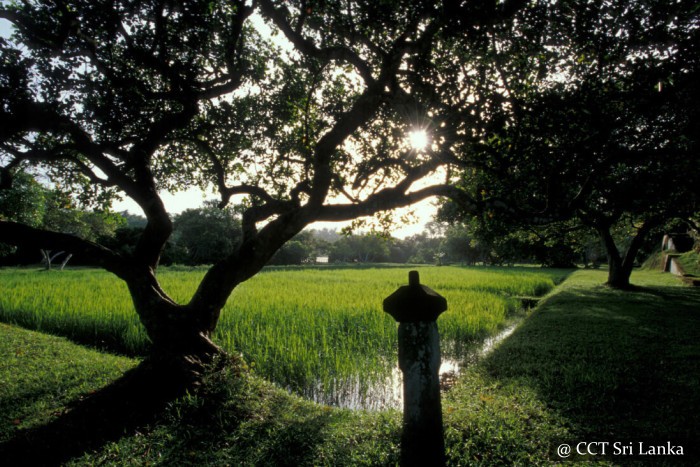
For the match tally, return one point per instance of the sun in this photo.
(418, 139)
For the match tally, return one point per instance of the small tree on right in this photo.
(589, 113)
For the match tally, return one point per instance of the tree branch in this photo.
(390, 198)
(307, 47)
(17, 234)
(246, 189)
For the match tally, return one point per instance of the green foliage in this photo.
(303, 329)
(299, 250)
(207, 234)
(586, 115)
(62, 215)
(206, 96)
(134, 221)
(31, 203)
(360, 248)
(421, 248)
(460, 246)
(496, 241)
(24, 202)
(124, 240)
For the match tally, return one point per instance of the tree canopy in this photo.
(301, 108)
(591, 116)
(207, 233)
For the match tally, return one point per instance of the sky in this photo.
(175, 203)
(193, 198)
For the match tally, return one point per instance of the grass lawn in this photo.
(590, 364)
(617, 366)
(41, 374)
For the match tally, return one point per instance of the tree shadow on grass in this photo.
(618, 365)
(206, 436)
(236, 418)
(134, 400)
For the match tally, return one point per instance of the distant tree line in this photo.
(202, 235)
(53, 209)
(200, 238)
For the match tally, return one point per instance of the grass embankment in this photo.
(590, 364)
(314, 330)
(690, 262)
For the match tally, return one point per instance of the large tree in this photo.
(590, 114)
(302, 108)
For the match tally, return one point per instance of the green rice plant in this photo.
(88, 306)
(312, 329)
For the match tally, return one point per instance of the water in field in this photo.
(388, 392)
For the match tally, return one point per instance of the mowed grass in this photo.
(40, 375)
(301, 328)
(616, 365)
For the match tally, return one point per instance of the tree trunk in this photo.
(619, 267)
(618, 273)
(180, 330)
(180, 335)
(182, 349)
(65, 261)
(46, 259)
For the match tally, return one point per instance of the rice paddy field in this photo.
(311, 330)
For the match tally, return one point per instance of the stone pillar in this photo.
(416, 308)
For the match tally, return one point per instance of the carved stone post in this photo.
(416, 308)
